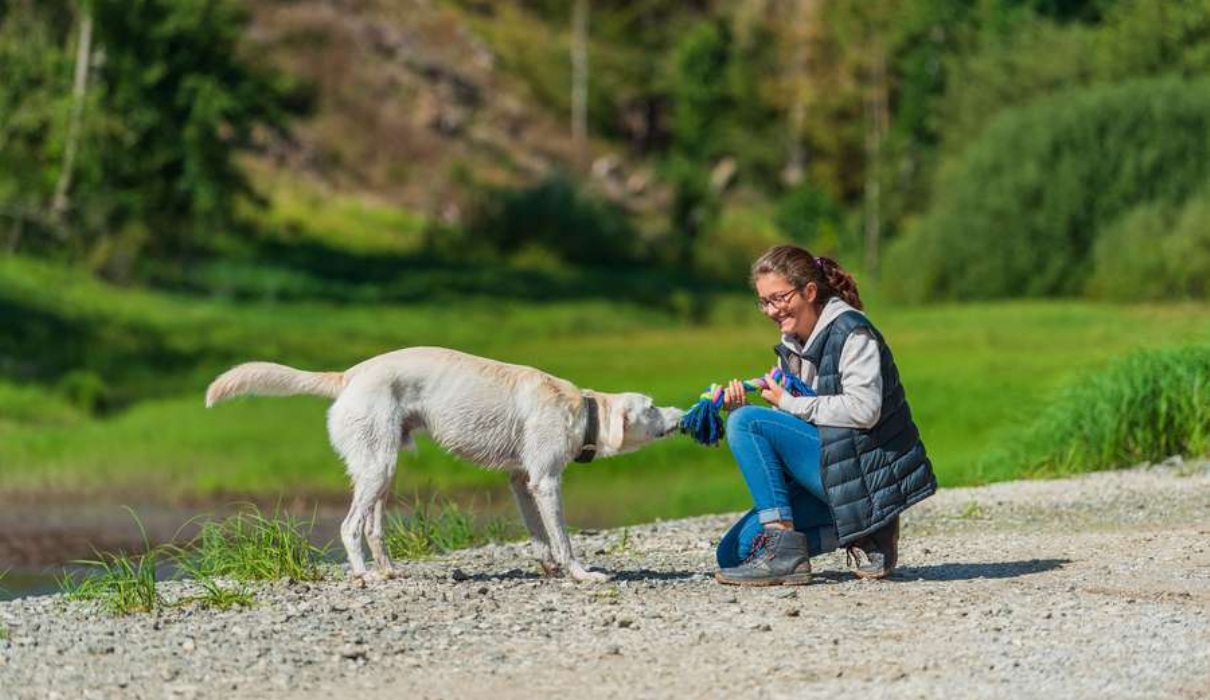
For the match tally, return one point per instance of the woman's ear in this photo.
(810, 292)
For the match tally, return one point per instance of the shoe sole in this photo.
(791, 580)
(872, 577)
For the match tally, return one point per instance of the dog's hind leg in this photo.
(518, 481)
(373, 533)
(365, 431)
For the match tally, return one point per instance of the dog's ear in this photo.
(615, 421)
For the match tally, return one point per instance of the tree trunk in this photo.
(877, 125)
(579, 82)
(60, 202)
(796, 152)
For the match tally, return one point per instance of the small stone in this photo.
(792, 612)
(613, 650)
(459, 575)
(188, 645)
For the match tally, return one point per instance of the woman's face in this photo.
(791, 309)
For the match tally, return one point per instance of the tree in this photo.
(579, 81)
(145, 136)
(188, 100)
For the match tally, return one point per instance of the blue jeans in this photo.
(779, 457)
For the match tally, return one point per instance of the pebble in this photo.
(1019, 599)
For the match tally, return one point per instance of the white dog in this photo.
(494, 414)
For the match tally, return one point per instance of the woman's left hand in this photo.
(772, 391)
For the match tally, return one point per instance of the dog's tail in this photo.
(269, 379)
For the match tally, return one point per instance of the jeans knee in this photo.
(741, 418)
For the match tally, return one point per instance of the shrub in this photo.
(1155, 252)
(1020, 210)
(1146, 407)
(727, 250)
(554, 216)
(809, 217)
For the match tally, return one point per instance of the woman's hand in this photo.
(772, 391)
(734, 395)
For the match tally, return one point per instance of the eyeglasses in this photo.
(779, 300)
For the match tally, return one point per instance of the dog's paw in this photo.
(376, 576)
(580, 573)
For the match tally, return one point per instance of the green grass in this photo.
(250, 546)
(974, 375)
(1147, 406)
(434, 527)
(120, 583)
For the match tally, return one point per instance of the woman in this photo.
(826, 471)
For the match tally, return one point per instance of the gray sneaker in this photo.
(777, 558)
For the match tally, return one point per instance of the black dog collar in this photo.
(591, 430)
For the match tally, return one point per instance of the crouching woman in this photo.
(825, 471)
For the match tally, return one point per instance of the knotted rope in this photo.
(704, 421)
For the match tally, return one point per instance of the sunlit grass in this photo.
(118, 582)
(250, 546)
(434, 527)
(1147, 406)
(974, 374)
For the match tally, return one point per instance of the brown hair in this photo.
(799, 267)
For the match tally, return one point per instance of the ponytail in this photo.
(840, 282)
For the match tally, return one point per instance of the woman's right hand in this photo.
(734, 395)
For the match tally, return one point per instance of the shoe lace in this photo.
(758, 546)
(855, 555)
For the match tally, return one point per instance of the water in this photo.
(40, 541)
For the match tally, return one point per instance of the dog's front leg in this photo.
(518, 481)
(547, 492)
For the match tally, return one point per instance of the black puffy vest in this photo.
(870, 476)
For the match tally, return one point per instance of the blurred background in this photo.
(1022, 188)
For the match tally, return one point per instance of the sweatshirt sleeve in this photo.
(859, 403)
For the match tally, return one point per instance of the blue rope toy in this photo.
(704, 421)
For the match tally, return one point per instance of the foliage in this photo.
(33, 105)
(250, 546)
(809, 217)
(1145, 407)
(432, 528)
(740, 236)
(555, 217)
(1024, 205)
(1155, 252)
(170, 104)
(120, 583)
(1012, 57)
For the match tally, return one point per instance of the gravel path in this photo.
(1097, 586)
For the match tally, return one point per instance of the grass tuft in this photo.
(433, 528)
(249, 546)
(1146, 407)
(214, 595)
(121, 583)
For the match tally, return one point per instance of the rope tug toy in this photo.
(704, 422)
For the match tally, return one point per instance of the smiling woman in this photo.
(810, 461)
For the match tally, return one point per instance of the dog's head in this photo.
(631, 420)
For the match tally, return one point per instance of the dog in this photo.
(497, 415)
